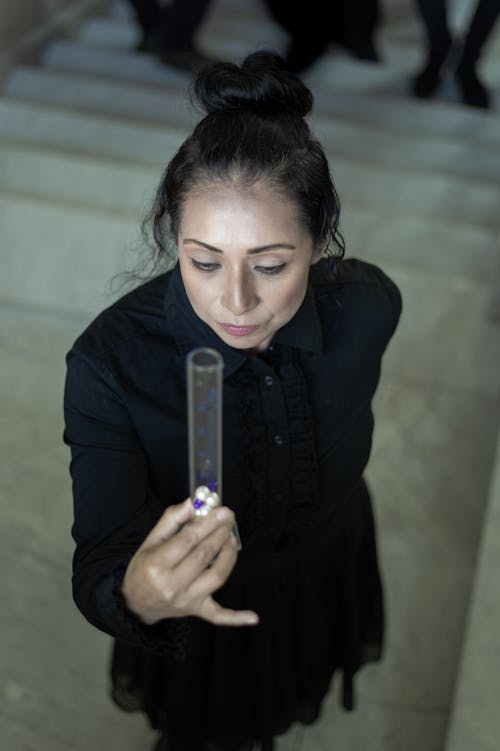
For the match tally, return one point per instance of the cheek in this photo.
(198, 294)
(292, 298)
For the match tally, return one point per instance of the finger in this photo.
(199, 541)
(187, 569)
(214, 613)
(211, 578)
(170, 522)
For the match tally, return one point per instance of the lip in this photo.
(238, 330)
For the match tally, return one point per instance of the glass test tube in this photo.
(204, 367)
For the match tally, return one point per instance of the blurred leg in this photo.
(473, 91)
(438, 40)
(169, 31)
(148, 15)
(180, 21)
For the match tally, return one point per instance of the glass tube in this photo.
(204, 368)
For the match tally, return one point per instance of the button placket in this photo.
(275, 415)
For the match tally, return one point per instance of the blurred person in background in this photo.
(441, 45)
(313, 27)
(169, 28)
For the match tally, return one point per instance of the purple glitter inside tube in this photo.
(204, 368)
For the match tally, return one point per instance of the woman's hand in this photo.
(178, 567)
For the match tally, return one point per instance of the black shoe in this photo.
(474, 93)
(427, 81)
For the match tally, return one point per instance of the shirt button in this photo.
(278, 440)
(269, 380)
(278, 497)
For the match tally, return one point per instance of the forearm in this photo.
(97, 594)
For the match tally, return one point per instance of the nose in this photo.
(239, 294)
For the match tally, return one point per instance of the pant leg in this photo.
(359, 20)
(481, 26)
(148, 14)
(180, 21)
(435, 23)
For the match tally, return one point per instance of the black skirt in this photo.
(321, 611)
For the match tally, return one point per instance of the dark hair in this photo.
(254, 131)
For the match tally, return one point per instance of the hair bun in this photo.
(261, 84)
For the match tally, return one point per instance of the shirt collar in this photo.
(302, 331)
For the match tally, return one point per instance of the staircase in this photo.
(85, 134)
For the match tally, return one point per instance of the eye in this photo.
(208, 267)
(270, 270)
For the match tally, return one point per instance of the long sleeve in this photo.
(114, 508)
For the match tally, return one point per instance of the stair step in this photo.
(89, 183)
(79, 57)
(78, 181)
(349, 137)
(87, 94)
(406, 114)
(390, 189)
(82, 133)
(170, 104)
(51, 245)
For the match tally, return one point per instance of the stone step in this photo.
(62, 258)
(437, 244)
(24, 122)
(364, 140)
(82, 93)
(342, 137)
(111, 63)
(34, 124)
(78, 181)
(360, 183)
(170, 104)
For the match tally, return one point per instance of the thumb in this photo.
(214, 613)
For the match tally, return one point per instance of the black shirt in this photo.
(297, 424)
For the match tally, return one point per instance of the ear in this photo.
(318, 253)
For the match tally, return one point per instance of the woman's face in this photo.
(244, 259)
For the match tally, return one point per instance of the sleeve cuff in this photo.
(167, 637)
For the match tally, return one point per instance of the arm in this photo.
(133, 572)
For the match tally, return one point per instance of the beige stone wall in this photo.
(26, 25)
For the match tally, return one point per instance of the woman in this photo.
(224, 649)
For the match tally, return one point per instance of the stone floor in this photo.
(421, 197)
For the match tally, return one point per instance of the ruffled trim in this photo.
(257, 511)
(304, 467)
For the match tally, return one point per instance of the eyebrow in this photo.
(250, 251)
